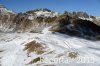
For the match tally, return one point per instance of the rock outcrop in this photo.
(75, 24)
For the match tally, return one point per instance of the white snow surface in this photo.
(30, 17)
(12, 53)
(98, 18)
(90, 19)
(5, 10)
(46, 13)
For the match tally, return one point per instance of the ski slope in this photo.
(58, 47)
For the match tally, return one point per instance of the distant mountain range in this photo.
(73, 23)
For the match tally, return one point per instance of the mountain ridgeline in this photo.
(75, 24)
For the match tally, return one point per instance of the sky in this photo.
(92, 7)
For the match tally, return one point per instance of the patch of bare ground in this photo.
(35, 60)
(70, 54)
(73, 54)
(34, 46)
(38, 59)
(98, 37)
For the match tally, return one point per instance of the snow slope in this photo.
(59, 45)
(4, 10)
(46, 13)
(90, 19)
(98, 18)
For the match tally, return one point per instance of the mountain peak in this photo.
(43, 9)
(43, 12)
(40, 9)
(3, 10)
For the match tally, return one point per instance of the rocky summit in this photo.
(76, 23)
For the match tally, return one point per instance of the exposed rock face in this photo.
(77, 27)
(28, 23)
(43, 12)
(6, 19)
(25, 22)
(76, 23)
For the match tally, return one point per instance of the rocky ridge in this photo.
(76, 23)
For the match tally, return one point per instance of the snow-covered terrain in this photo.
(25, 39)
(46, 13)
(3, 9)
(98, 18)
(90, 19)
(58, 47)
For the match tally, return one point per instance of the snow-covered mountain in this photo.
(4, 10)
(97, 21)
(6, 19)
(43, 12)
(43, 37)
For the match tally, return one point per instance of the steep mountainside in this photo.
(77, 27)
(75, 23)
(43, 37)
(6, 19)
